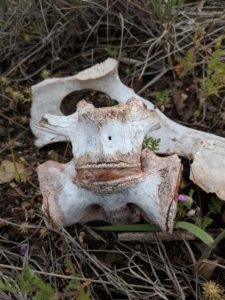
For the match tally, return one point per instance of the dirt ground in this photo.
(164, 54)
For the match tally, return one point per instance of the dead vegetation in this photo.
(42, 38)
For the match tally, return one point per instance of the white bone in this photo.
(186, 142)
(109, 173)
(206, 151)
(110, 136)
(151, 194)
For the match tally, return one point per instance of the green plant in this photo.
(28, 282)
(25, 95)
(45, 74)
(164, 10)
(214, 80)
(201, 234)
(184, 207)
(186, 63)
(163, 98)
(151, 143)
(114, 52)
(215, 207)
(74, 284)
(19, 176)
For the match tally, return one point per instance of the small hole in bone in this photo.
(109, 137)
(98, 99)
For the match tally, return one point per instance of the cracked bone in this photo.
(204, 149)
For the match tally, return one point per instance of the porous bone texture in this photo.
(150, 193)
(206, 151)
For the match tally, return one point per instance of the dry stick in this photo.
(12, 121)
(15, 139)
(18, 225)
(153, 237)
(54, 274)
(25, 59)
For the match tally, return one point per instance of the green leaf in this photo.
(131, 227)
(206, 221)
(151, 143)
(197, 231)
(215, 205)
(83, 295)
(73, 285)
(209, 249)
(28, 281)
(7, 286)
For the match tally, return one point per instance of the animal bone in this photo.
(151, 193)
(206, 150)
(110, 177)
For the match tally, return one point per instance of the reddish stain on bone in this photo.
(105, 174)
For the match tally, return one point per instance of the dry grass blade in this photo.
(60, 38)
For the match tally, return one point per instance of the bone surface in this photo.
(105, 137)
(110, 178)
(150, 193)
(205, 150)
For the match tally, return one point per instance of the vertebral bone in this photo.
(206, 150)
(149, 192)
(110, 177)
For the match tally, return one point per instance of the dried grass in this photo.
(65, 36)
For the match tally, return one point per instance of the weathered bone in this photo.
(150, 193)
(110, 177)
(206, 150)
(106, 137)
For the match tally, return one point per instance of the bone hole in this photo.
(93, 212)
(98, 99)
(109, 137)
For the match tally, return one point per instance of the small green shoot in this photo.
(67, 150)
(45, 74)
(166, 12)
(6, 285)
(74, 284)
(114, 52)
(216, 241)
(163, 98)
(186, 63)
(17, 174)
(215, 207)
(4, 81)
(151, 143)
(197, 113)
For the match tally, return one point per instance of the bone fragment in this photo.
(206, 150)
